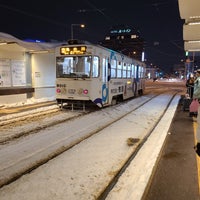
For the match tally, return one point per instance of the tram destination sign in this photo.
(75, 50)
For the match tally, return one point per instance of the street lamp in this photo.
(72, 25)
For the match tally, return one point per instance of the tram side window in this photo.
(124, 70)
(119, 70)
(113, 68)
(132, 71)
(135, 71)
(128, 71)
(140, 72)
(95, 67)
(104, 70)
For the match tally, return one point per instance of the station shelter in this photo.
(27, 70)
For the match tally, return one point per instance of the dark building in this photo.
(126, 40)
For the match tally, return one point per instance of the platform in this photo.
(176, 174)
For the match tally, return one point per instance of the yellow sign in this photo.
(78, 50)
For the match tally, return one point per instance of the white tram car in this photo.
(87, 73)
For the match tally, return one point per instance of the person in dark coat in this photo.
(190, 85)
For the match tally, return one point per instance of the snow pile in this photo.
(28, 102)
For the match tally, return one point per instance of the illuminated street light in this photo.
(72, 25)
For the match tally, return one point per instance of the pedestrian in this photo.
(196, 95)
(190, 85)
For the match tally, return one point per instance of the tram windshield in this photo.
(75, 66)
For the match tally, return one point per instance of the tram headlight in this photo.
(85, 91)
(58, 90)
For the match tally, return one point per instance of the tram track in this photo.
(60, 146)
(19, 126)
(23, 116)
(29, 122)
(13, 172)
(64, 150)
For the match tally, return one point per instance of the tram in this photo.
(92, 74)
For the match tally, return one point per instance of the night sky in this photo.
(158, 21)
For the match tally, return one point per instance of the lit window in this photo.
(133, 36)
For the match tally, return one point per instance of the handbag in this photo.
(194, 106)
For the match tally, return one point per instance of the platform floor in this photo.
(176, 175)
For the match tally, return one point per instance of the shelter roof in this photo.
(29, 46)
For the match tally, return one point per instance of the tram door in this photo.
(105, 79)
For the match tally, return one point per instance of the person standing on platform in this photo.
(196, 95)
(190, 85)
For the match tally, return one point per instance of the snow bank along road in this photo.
(84, 171)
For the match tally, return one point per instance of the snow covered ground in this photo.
(82, 172)
(29, 101)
